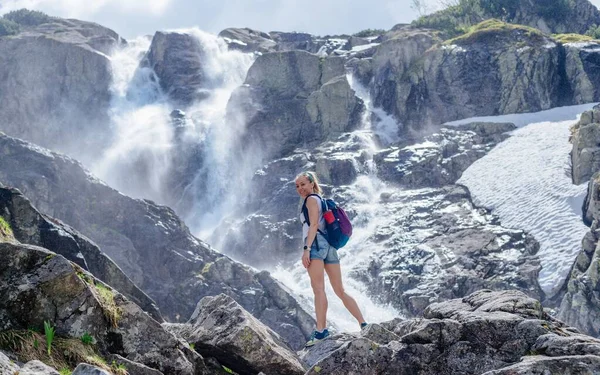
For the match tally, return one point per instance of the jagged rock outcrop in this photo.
(37, 285)
(585, 155)
(291, 99)
(177, 60)
(581, 71)
(580, 305)
(391, 68)
(56, 86)
(248, 40)
(221, 328)
(293, 41)
(28, 226)
(484, 333)
(149, 242)
(442, 157)
(488, 72)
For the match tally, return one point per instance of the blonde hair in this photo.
(312, 177)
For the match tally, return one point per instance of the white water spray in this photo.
(364, 197)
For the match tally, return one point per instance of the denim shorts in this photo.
(324, 251)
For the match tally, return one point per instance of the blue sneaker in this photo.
(316, 337)
(363, 325)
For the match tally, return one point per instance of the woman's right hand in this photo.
(306, 258)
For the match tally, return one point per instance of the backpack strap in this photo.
(305, 212)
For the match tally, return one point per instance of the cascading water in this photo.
(147, 148)
(364, 197)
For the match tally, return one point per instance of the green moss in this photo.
(6, 233)
(207, 267)
(573, 38)
(107, 301)
(489, 28)
(317, 369)
(67, 352)
(374, 346)
(228, 370)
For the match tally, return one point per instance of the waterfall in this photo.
(146, 146)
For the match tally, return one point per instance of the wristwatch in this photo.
(305, 248)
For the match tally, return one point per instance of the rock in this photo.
(461, 252)
(484, 333)
(133, 368)
(56, 90)
(248, 40)
(41, 286)
(30, 227)
(573, 365)
(438, 85)
(221, 328)
(585, 155)
(85, 369)
(293, 99)
(177, 60)
(441, 158)
(149, 242)
(296, 41)
(37, 368)
(7, 365)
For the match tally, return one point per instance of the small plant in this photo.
(87, 339)
(65, 371)
(49, 333)
(193, 346)
(8, 27)
(228, 370)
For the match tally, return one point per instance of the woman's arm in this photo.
(313, 215)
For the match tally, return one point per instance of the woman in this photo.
(319, 257)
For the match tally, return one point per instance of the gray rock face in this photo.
(37, 368)
(221, 328)
(292, 99)
(296, 41)
(248, 40)
(442, 157)
(585, 155)
(581, 16)
(580, 302)
(485, 332)
(581, 62)
(38, 285)
(464, 250)
(149, 242)
(177, 59)
(56, 84)
(30, 227)
(7, 366)
(85, 369)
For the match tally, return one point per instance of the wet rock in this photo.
(585, 155)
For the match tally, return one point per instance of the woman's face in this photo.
(304, 187)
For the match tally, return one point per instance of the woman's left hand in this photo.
(306, 258)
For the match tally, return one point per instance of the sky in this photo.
(131, 18)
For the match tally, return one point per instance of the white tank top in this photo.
(321, 219)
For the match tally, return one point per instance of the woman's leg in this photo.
(317, 281)
(334, 272)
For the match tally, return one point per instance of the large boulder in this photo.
(485, 331)
(28, 226)
(221, 328)
(56, 85)
(149, 242)
(581, 71)
(291, 99)
(38, 286)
